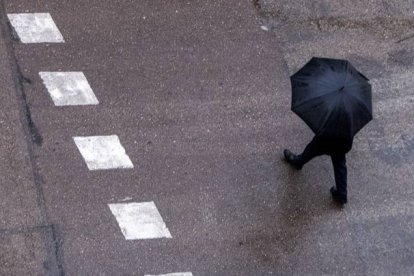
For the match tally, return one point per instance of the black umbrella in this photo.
(332, 97)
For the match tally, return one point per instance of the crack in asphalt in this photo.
(52, 239)
(34, 131)
(405, 38)
(22, 81)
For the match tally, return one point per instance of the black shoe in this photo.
(340, 199)
(292, 159)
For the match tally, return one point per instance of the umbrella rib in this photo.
(359, 101)
(322, 81)
(316, 98)
(323, 125)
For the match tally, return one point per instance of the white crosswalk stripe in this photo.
(103, 152)
(35, 28)
(139, 220)
(174, 274)
(69, 88)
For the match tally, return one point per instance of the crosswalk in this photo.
(136, 220)
(35, 28)
(140, 220)
(68, 88)
(162, 132)
(103, 152)
(174, 274)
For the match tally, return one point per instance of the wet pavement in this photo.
(198, 93)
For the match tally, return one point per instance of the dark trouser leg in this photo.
(312, 150)
(340, 171)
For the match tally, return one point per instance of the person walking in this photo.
(335, 101)
(336, 149)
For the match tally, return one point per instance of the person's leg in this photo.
(313, 149)
(339, 163)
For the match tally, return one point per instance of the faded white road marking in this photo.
(68, 88)
(103, 152)
(264, 28)
(128, 198)
(139, 220)
(35, 28)
(174, 274)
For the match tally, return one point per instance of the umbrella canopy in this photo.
(332, 97)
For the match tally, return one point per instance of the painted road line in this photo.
(103, 152)
(35, 28)
(139, 220)
(69, 88)
(174, 274)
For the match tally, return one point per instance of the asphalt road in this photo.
(198, 93)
